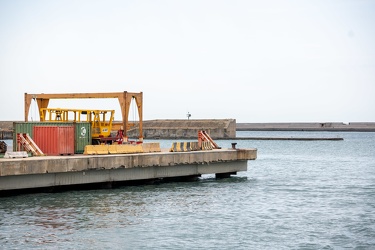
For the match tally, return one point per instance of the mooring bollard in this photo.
(234, 145)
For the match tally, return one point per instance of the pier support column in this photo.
(224, 175)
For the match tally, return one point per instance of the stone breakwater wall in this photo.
(6, 135)
(6, 130)
(171, 129)
(217, 128)
(165, 129)
(314, 126)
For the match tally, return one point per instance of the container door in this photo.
(65, 142)
(46, 138)
(82, 136)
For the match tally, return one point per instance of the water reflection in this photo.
(295, 195)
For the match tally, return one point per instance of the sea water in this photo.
(295, 195)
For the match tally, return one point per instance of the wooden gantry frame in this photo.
(124, 99)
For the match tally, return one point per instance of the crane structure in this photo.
(124, 99)
(100, 120)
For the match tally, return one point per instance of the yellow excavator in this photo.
(101, 121)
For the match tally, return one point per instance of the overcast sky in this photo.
(254, 61)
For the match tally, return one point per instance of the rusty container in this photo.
(54, 140)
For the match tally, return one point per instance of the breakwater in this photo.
(6, 130)
(171, 129)
(286, 138)
(217, 128)
(167, 129)
(6, 134)
(313, 126)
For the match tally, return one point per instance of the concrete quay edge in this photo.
(76, 163)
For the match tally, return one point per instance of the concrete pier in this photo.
(55, 171)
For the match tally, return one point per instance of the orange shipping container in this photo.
(54, 140)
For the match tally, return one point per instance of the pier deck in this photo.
(55, 171)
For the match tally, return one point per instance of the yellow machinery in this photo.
(101, 120)
(124, 99)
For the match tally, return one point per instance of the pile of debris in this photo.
(3, 147)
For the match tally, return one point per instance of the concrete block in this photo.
(150, 147)
(112, 149)
(89, 150)
(101, 149)
(17, 154)
(129, 148)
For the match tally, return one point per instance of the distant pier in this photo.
(308, 126)
(288, 138)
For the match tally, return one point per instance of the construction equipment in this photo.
(100, 120)
(124, 99)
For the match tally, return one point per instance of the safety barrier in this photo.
(206, 145)
(121, 149)
(184, 147)
(151, 147)
(177, 147)
(129, 149)
(96, 150)
(112, 149)
(174, 147)
(17, 154)
(194, 146)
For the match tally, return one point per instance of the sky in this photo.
(252, 60)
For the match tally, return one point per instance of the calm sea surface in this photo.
(296, 195)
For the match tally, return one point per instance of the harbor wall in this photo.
(163, 129)
(6, 134)
(217, 128)
(313, 126)
(171, 129)
(6, 130)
